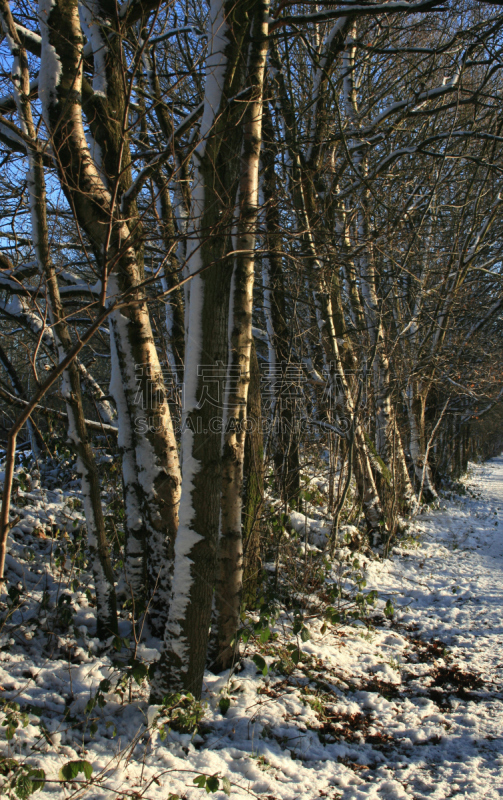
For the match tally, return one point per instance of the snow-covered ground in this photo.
(412, 708)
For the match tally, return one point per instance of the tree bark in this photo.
(230, 547)
(253, 498)
(216, 173)
(151, 471)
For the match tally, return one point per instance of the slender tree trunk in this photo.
(253, 498)
(284, 436)
(175, 324)
(415, 402)
(150, 459)
(230, 556)
(216, 174)
(408, 497)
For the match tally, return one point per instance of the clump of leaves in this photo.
(64, 612)
(259, 630)
(456, 678)
(13, 600)
(389, 610)
(212, 783)
(224, 704)
(316, 700)
(21, 780)
(135, 671)
(347, 599)
(73, 768)
(183, 711)
(13, 718)
(99, 697)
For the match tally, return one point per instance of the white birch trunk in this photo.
(229, 580)
(213, 200)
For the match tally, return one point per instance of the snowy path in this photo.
(412, 709)
(453, 585)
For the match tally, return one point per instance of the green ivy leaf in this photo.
(223, 705)
(70, 770)
(226, 785)
(265, 634)
(200, 781)
(90, 705)
(212, 784)
(86, 768)
(37, 777)
(305, 635)
(332, 615)
(139, 671)
(30, 780)
(23, 787)
(11, 728)
(260, 663)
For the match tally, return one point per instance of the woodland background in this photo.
(227, 216)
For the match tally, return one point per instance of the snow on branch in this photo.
(15, 308)
(11, 285)
(31, 41)
(92, 26)
(358, 9)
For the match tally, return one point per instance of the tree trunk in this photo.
(216, 173)
(415, 402)
(150, 459)
(229, 580)
(253, 498)
(284, 436)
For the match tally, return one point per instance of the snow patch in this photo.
(51, 68)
